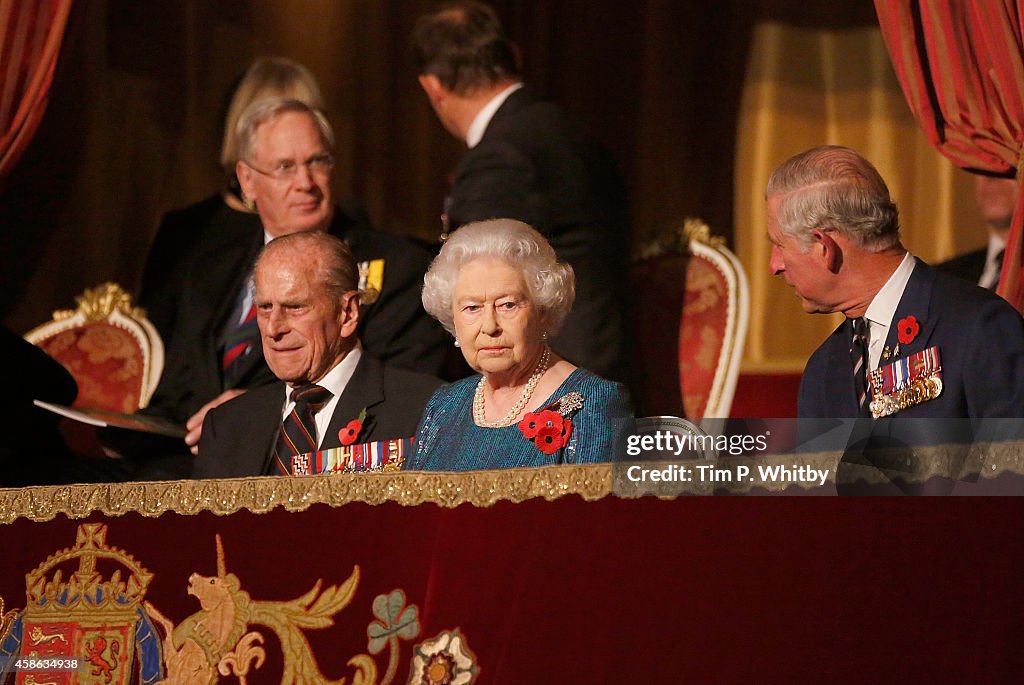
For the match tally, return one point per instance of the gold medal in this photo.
(371, 280)
(916, 392)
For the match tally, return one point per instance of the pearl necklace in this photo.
(479, 409)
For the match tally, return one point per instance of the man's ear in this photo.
(431, 85)
(831, 251)
(349, 315)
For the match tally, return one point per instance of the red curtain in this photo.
(30, 38)
(961, 66)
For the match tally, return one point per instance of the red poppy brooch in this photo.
(907, 329)
(550, 428)
(350, 433)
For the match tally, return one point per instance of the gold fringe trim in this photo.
(485, 488)
(908, 464)
(954, 462)
(298, 493)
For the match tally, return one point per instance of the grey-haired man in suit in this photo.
(308, 312)
(915, 342)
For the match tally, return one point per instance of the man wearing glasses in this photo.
(286, 171)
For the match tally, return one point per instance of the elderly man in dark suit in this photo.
(333, 392)
(286, 172)
(528, 161)
(916, 342)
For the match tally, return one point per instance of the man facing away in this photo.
(332, 393)
(527, 161)
(916, 342)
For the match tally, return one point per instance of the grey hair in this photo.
(267, 77)
(338, 271)
(262, 111)
(550, 284)
(833, 188)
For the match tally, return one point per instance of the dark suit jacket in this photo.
(981, 345)
(202, 295)
(534, 165)
(180, 232)
(967, 266)
(239, 436)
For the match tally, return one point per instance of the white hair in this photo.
(262, 111)
(833, 188)
(550, 284)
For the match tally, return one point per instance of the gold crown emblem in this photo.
(86, 590)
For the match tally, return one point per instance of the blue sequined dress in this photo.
(448, 440)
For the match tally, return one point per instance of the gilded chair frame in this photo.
(713, 250)
(109, 303)
(694, 239)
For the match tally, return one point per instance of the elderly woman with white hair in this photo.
(499, 289)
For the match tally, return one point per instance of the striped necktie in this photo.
(237, 346)
(997, 262)
(298, 430)
(859, 359)
(241, 335)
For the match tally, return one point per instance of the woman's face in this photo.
(498, 328)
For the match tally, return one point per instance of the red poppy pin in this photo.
(350, 432)
(907, 329)
(548, 430)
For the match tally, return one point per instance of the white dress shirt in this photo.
(993, 262)
(476, 130)
(248, 290)
(882, 309)
(336, 380)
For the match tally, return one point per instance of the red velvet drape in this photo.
(30, 36)
(961, 66)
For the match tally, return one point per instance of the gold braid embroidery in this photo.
(411, 488)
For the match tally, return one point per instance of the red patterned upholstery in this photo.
(702, 330)
(688, 368)
(114, 354)
(105, 362)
